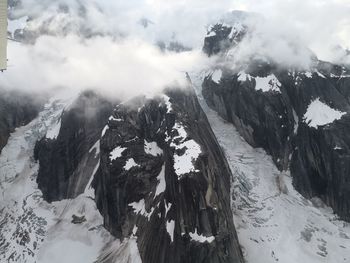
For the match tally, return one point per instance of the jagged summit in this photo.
(244, 40)
(243, 164)
(298, 115)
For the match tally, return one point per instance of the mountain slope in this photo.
(16, 109)
(31, 230)
(164, 179)
(160, 178)
(273, 221)
(299, 116)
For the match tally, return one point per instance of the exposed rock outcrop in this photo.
(159, 174)
(271, 106)
(67, 159)
(164, 179)
(16, 109)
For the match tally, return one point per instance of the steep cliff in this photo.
(164, 179)
(16, 109)
(298, 116)
(159, 175)
(66, 154)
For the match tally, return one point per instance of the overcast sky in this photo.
(321, 24)
(111, 63)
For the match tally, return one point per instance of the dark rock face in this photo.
(274, 120)
(16, 109)
(264, 119)
(321, 163)
(163, 178)
(161, 175)
(221, 37)
(67, 162)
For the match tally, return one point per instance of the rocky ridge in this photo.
(159, 175)
(16, 109)
(299, 116)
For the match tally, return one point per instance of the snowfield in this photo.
(32, 230)
(318, 114)
(265, 84)
(273, 221)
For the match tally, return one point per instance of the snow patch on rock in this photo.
(161, 186)
(140, 208)
(104, 130)
(130, 163)
(320, 74)
(216, 76)
(319, 114)
(152, 148)
(116, 153)
(170, 228)
(112, 118)
(96, 148)
(200, 238)
(308, 74)
(266, 84)
(242, 76)
(168, 103)
(183, 162)
(167, 207)
(211, 34)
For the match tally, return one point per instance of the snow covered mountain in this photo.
(299, 116)
(152, 166)
(247, 163)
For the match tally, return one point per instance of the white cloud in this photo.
(321, 24)
(123, 60)
(120, 68)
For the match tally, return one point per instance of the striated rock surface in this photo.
(68, 153)
(300, 117)
(159, 175)
(164, 179)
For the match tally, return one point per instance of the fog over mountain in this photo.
(77, 38)
(189, 131)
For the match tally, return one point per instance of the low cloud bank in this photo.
(123, 68)
(111, 45)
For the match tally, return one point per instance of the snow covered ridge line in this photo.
(320, 114)
(265, 84)
(62, 102)
(236, 28)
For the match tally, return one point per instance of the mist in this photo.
(104, 45)
(123, 68)
(322, 25)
